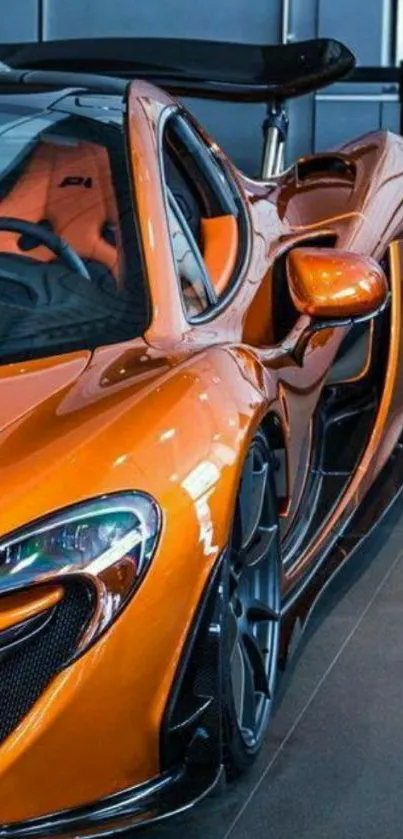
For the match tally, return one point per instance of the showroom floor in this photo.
(332, 767)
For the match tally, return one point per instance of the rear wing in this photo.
(208, 69)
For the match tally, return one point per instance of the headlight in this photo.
(110, 540)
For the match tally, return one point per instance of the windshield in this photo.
(70, 262)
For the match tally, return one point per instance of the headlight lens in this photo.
(111, 540)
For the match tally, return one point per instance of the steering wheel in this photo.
(52, 240)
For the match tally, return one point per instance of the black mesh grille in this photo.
(26, 671)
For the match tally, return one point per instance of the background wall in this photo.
(367, 26)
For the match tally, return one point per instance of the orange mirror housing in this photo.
(330, 284)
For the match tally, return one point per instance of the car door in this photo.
(210, 234)
(217, 239)
(238, 232)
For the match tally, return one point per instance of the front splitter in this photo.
(170, 794)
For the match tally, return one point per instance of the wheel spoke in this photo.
(234, 577)
(259, 549)
(251, 500)
(245, 493)
(238, 679)
(258, 664)
(233, 634)
(248, 715)
(258, 611)
(254, 596)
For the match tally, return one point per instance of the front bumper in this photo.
(171, 793)
(191, 742)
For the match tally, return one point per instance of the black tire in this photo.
(251, 629)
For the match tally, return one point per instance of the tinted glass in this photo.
(65, 172)
(189, 269)
(210, 207)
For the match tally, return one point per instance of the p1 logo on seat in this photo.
(76, 180)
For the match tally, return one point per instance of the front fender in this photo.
(181, 436)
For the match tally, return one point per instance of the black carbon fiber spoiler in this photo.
(208, 69)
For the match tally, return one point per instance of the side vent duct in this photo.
(335, 165)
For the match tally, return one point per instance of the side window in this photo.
(204, 204)
(194, 283)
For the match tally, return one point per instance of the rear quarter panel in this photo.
(365, 214)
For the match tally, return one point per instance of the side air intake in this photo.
(27, 670)
(336, 165)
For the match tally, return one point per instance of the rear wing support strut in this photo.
(275, 130)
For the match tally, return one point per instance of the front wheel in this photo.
(252, 614)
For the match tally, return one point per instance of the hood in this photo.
(68, 423)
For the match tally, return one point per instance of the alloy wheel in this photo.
(254, 597)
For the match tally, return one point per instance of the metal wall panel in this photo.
(237, 128)
(397, 32)
(363, 24)
(366, 26)
(300, 139)
(390, 117)
(251, 21)
(345, 111)
(302, 22)
(20, 21)
(337, 122)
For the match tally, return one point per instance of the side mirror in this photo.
(333, 288)
(332, 285)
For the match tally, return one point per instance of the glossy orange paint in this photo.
(327, 283)
(19, 607)
(87, 431)
(385, 434)
(172, 415)
(145, 110)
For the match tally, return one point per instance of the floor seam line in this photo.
(314, 694)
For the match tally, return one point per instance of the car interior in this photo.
(69, 187)
(207, 212)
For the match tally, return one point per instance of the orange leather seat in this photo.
(220, 249)
(71, 187)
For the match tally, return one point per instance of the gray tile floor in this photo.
(332, 766)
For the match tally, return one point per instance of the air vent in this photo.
(27, 669)
(336, 165)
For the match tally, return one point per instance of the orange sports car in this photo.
(201, 408)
